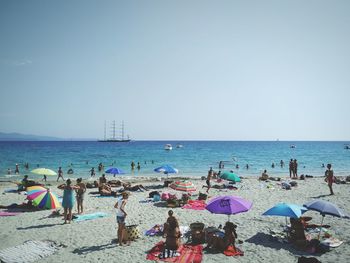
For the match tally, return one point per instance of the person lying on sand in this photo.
(25, 206)
(137, 187)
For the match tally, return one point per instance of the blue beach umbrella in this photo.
(325, 208)
(166, 169)
(114, 171)
(287, 210)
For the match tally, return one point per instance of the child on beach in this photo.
(121, 215)
(68, 199)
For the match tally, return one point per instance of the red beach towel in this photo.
(188, 254)
(4, 213)
(233, 251)
(195, 205)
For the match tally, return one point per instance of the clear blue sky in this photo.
(217, 70)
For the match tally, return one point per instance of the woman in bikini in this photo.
(80, 195)
(173, 236)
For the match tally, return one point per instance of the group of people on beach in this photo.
(293, 169)
(68, 198)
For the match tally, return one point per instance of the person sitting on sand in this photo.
(137, 187)
(296, 232)
(222, 243)
(68, 199)
(103, 179)
(172, 237)
(80, 195)
(106, 190)
(264, 176)
(170, 218)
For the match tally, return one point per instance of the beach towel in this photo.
(157, 230)
(187, 254)
(331, 242)
(79, 218)
(29, 251)
(233, 251)
(4, 213)
(195, 205)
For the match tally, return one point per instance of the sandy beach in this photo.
(94, 240)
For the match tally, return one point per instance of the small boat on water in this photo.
(292, 146)
(168, 147)
(347, 147)
(179, 146)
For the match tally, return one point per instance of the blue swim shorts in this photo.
(121, 219)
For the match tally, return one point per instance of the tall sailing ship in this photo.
(113, 137)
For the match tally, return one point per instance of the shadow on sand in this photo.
(37, 227)
(266, 240)
(87, 250)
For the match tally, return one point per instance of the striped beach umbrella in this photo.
(185, 186)
(43, 198)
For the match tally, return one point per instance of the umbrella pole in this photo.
(319, 234)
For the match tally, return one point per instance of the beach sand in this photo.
(94, 240)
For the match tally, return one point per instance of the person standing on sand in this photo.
(210, 174)
(60, 174)
(329, 178)
(295, 169)
(291, 168)
(121, 215)
(80, 195)
(68, 199)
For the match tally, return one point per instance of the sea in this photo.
(193, 158)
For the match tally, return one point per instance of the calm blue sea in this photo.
(194, 158)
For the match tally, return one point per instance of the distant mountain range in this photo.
(14, 136)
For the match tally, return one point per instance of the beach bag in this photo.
(202, 196)
(165, 196)
(132, 232)
(153, 193)
(156, 198)
(293, 183)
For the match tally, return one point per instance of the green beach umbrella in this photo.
(230, 177)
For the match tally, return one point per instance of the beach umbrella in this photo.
(228, 205)
(43, 198)
(43, 171)
(114, 171)
(230, 177)
(325, 208)
(166, 169)
(185, 186)
(287, 210)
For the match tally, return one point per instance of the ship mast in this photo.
(113, 130)
(122, 130)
